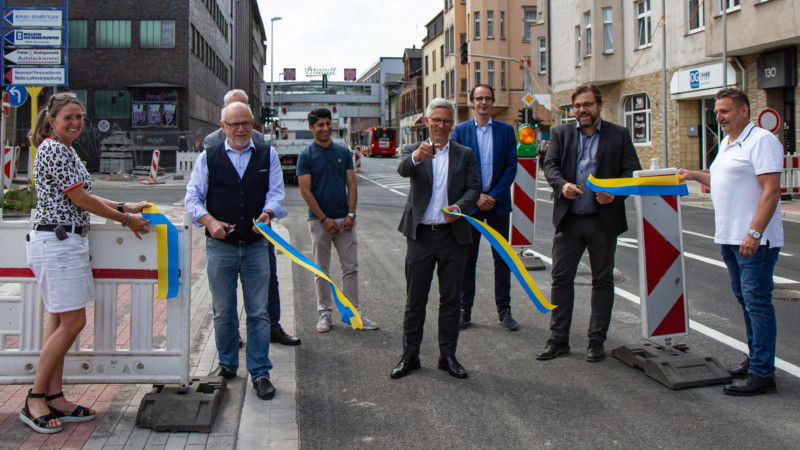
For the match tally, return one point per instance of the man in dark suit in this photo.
(584, 219)
(443, 175)
(494, 144)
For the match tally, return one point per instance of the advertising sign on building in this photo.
(36, 76)
(35, 18)
(34, 47)
(709, 76)
(289, 74)
(33, 37)
(349, 74)
(34, 56)
(777, 69)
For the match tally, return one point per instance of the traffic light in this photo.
(464, 54)
(526, 141)
(264, 114)
(523, 115)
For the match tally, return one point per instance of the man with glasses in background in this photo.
(494, 144)
(277, 334)
(584, 219)
(232, 184)
(443, 174)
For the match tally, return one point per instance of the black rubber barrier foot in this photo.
(172, 408)
(674, 367)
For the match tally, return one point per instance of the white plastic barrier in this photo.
(185, 163)
(120, 262)
(790, 178)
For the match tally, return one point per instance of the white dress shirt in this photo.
(441, 165)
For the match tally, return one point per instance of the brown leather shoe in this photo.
(552, 350)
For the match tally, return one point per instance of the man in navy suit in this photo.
(495, 146)
(584, 219)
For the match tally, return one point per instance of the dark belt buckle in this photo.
(85, 231)
(439, 226)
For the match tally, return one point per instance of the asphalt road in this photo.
(346, 398)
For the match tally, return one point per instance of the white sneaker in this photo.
(324, 324)
(366, 324)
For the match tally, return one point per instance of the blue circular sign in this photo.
(17, 95)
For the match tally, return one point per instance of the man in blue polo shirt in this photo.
(327, 181)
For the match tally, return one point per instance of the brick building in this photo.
(156, 70)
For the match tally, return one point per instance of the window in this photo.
(528, 19)
(502, 24)
(77, 37)
(642, 8)
(732, 5)
(441, 56)
(112, 33)
(452, 39)
(542, 55)
(426, 64)
(567, 114)
(434, 91)
(155, 108)
(694, 12)
(112, 103)
(587, 26)
(637, 117)
(477, 73)
(427, 96)
(502, 74)
(578, 46)
(444, 94)
(156, 33)
(490, 73)
(608, 31)
(447, 39)
(433, 60)
(489, 24)
(463, 86)
(477, 34)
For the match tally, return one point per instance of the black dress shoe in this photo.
(740, 371)
(595, 352)
(405, 366)
(551, 350)
(223, 372)
(281, 337)
(751, 385)
(264, 389)
(451, 365)
(465, 319)
(507, 321)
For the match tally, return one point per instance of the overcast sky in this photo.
(342, 34)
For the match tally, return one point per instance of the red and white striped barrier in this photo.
(665, 310)
(356, 160)
(524, 203)
(11, 159)
(790, 178)
(154, 169)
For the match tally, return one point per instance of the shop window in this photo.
(636, 109)
(155, 108)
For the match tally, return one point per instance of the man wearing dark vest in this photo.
(233, 183)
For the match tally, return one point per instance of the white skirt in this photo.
(62, 269)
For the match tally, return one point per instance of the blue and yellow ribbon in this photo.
(656, 185)
(502, 247)
(168, 253)
(349, 312)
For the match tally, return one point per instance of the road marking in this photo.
(384, 186)
(702, 329)
(712, 238)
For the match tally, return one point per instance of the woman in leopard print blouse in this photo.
(58, 253)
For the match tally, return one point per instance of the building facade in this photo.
(433, 73)
(155, 71)
(618, 45)
(412, 109)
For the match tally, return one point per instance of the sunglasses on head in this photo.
(61, 96)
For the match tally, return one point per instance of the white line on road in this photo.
(712, 238)
(702, 329)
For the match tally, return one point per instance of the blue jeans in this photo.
(751, 280)
(226, 264)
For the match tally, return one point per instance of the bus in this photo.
(380, 141)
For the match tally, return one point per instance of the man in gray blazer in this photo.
(443, 174)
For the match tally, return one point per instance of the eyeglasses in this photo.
(484, 99)
(236, 125)
(61, 96)
(437, 121)
(586, 105)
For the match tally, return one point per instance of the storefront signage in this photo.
(34, 56)
(313, 71)
(777, 69)
(37, 76)
(35, 18)
(33, 37)
(700, 78)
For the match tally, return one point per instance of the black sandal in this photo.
(80, 414)
(38, 424)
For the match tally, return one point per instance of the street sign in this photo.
(35, 18)
(528, 99)
(35, 56)
(6, 104)
(36, 76)
(17, 95)
(769, 120)
(33, 37)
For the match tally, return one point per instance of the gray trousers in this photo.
(346, 244)
(574, 235)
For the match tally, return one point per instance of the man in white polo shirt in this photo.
(745, 190)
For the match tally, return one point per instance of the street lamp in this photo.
(271, 67)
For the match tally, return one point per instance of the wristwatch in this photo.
(120, 206)
(755, 234)
(351, 215)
